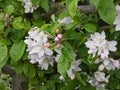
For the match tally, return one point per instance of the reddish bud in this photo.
(48, 36)
(56, 39)
(60, 36)
(47, 44)
(58, 45)
(57, 31)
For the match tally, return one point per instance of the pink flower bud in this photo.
(56, 39)
(60, 36)
(48, 36)
(106, 80)
(116, 63)
(101, 67)
(57, 31)
(47, 44)
(58, 45)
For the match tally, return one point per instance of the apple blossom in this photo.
(38, 48)
(117, 19)
(29, 8)
(97, 44)
(74, 67)
(65, 20)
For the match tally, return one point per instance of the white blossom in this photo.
(117, 19)
(74, 67)
(66, 20)
(109, 64)
(97, 44)
(29, 8)
(38, 53)
(99, 76)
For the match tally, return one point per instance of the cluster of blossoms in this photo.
(117, 19)
(99, 80)
(38, 48)
(29, 8)
(97, 44)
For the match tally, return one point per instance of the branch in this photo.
(87, 8)
(15, 80)
(58, 8)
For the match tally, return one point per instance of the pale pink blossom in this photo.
(117, 19)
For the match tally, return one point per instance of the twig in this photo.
(15, 81)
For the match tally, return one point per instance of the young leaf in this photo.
(17, 50)
(72, 7)
(90, 27)
(9, 9)
(17, 23)
(106, 10)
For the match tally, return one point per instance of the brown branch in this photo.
(87, 8)
(15, 81)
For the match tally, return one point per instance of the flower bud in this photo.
(60, 36)
(56, 39)
(57, 31)
(106, 80)
(47, 44)
(48, 36)
(58, 45)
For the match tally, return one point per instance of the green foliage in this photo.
(90, 27)
(9, 9)
(72, 7)
(29, 70)
(65, 60)
(106, 10)
(17, 50)
(3, 55)
(17, 23)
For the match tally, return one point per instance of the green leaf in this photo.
(5, 42)
(45, 5)
(17, 34)
(72, 7)
(65, 59)
(29, 70)
(17, 50)
(17, 23)
(87, 87)
(73, 35)
(1, 27)
(63, 65)
(1, 16)
(68, 47)
(79, 78)
(26, 25)
(90, 27)
(9, 9)
(3, 55)
(106, 10)
(117, 73)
